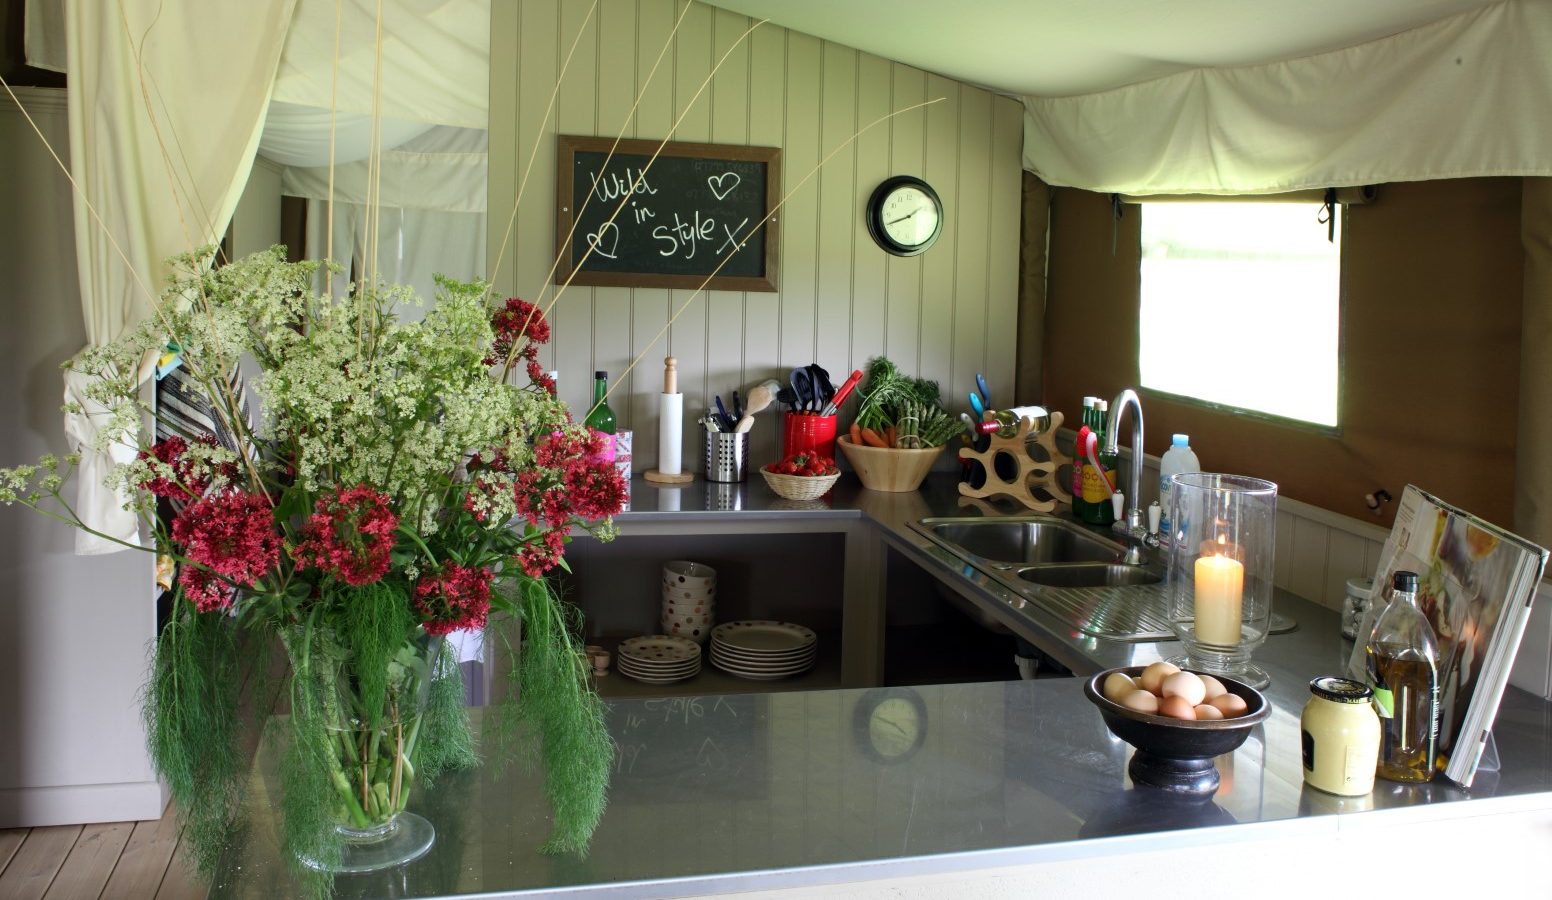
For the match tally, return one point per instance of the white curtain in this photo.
(167, 100)
(44, 34)
(443, 168)
(412, 246)
(435, 59)
(1465, 96)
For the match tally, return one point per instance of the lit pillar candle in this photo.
(1220, 587)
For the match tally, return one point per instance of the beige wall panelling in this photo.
(533, 237)
(842, 300)
(649, 306)
(940, 168)
(729, 103)
(576, 112)
(615, 64)
(903, 274)
(693, 59)
(1307, 577)
(869, 290)
(800, 222)
(1002, 249)
(502, 132)
(973, 214)
(762, 310)
(1344, 560)
(837, 218)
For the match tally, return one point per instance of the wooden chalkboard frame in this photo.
(567, 147)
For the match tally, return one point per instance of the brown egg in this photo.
(1142, 701)
(1186, 685)
(1230, 705)
(1177, 708)
(1118, 685)
(1215, 687)
(1153, 677)
(1206, 711)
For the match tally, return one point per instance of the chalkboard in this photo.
(690, 747)
(695, 210)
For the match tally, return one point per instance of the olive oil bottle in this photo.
(1403, 671)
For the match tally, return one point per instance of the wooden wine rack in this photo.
(1033, 474)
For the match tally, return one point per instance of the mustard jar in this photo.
(1341, 736)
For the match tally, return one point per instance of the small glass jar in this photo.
(1359, 590)
(1341, 737)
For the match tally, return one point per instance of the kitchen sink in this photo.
(1088, 575)
(1022, 541)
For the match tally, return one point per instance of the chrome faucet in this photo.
(1134, 523)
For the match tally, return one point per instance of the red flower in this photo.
(517, 319)
(183, 485)
(349, 535)
(595, 490)
(232, 534)
(457, 598)
(207, 592)
(540, 556)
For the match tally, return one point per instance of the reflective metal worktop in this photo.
(719, 794)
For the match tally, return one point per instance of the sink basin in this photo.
(1025, 541)
(1086, 575)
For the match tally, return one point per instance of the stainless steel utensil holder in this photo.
(727, 455)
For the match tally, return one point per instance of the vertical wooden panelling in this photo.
(649, 306)
(615, 67)
(835, 186)
(903, 274)
(1307, 578)
(762, 311)
(869, 292)
(1002, 247)
(800, 215)
(729, 94)
(944, 315)
(973, 214)
(693, 59)
(1282, 554)
(1344, 560)
(576, 112)
(940, 294)
(533, 239)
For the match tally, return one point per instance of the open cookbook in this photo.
(1475, 584)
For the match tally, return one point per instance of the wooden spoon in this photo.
(760, 396)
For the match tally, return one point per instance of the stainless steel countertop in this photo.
(720, 794)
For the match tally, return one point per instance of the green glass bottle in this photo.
(599, 416)
(1096, 509)
(1078, 461)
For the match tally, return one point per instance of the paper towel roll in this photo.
(670, 436)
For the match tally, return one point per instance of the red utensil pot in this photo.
(808, 432)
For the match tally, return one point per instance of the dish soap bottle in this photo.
(1077, 458)
(1180, 459)
(1403, 670)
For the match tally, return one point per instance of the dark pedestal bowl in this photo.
(1176, 755)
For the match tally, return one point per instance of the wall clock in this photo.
(890, 724)
(904, 215)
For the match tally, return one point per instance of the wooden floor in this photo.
(118, 859)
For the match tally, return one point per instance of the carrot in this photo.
(856, 434)
(891, 436)
(871, 438)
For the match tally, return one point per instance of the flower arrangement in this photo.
(401, 485)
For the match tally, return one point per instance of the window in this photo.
(1240, 306)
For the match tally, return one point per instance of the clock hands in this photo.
(904, 217)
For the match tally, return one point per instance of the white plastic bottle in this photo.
(1179, 460)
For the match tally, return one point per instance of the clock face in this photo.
(894, 727)
(905, 215)
(910, 216)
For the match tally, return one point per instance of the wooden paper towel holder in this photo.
(670, 386)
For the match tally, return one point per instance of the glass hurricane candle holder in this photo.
(1220, 571)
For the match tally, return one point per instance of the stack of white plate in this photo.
(762, 650)
(658, 659)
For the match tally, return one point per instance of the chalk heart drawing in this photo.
(609, 232)
(724, 184)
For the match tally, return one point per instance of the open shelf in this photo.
(825, 675)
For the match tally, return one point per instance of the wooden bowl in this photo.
(1176, 755)
(888, 469)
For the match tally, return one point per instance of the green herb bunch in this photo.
(911, 405)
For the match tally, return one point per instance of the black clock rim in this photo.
(875, 218)
(870, 701)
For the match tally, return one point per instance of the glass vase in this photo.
(372, 738)
(1219, 581)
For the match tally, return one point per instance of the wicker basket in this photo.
(800, 487)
